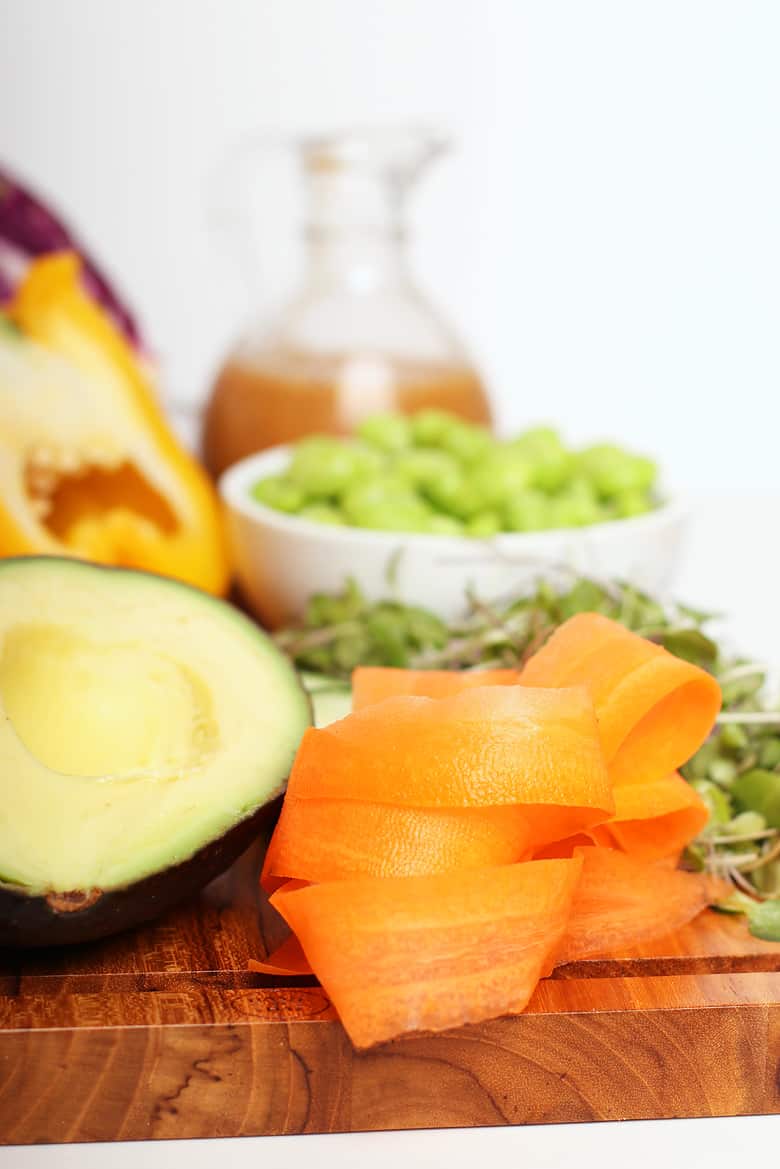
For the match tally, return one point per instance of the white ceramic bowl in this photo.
(281, 560)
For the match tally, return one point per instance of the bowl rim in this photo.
(234, 483)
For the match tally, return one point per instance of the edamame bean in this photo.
(435, 472)
(279, 493)
(322, 513)
(389, 432)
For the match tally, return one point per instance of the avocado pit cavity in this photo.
(117, 712)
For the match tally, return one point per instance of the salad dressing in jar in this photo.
(358, 339)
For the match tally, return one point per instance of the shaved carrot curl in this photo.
(404, 954)
(484, 747)
(655, 819)
(372, 684)
(652, 822)
(461, 833)
(654, 710)
(333, 840)
(621, 902)
(288, 959)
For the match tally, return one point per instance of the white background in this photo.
(607, 236)
(679, 1144)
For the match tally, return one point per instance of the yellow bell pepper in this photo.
(88, 465)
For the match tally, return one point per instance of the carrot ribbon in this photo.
(372, 684)
(443, 847)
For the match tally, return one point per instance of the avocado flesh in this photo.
(139, 720)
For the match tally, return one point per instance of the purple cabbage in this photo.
(28, 229)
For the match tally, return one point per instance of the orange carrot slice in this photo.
(652, 821)
(333, 840)
(372, 684)
(287, 960)
(400, 858)
(429, 953)
(656, 819)
(654, 710)
(489, 746)
(621, 902)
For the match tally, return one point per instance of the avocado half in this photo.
(145, 728)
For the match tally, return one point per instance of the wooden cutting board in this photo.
(163, 1033)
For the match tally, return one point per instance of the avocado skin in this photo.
(29, 921)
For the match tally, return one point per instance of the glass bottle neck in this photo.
(358, 259)
(354, 234)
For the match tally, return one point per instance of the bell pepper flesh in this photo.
(88, 464)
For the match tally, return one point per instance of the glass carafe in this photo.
(358, 338)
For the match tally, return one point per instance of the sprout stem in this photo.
(749, 717)
(767, 834)
(748, 670)
(737, 879)
(760, 861)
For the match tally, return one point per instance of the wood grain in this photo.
(163, 1033)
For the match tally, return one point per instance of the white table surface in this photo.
(731, 566)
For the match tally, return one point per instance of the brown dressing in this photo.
(280, 398)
